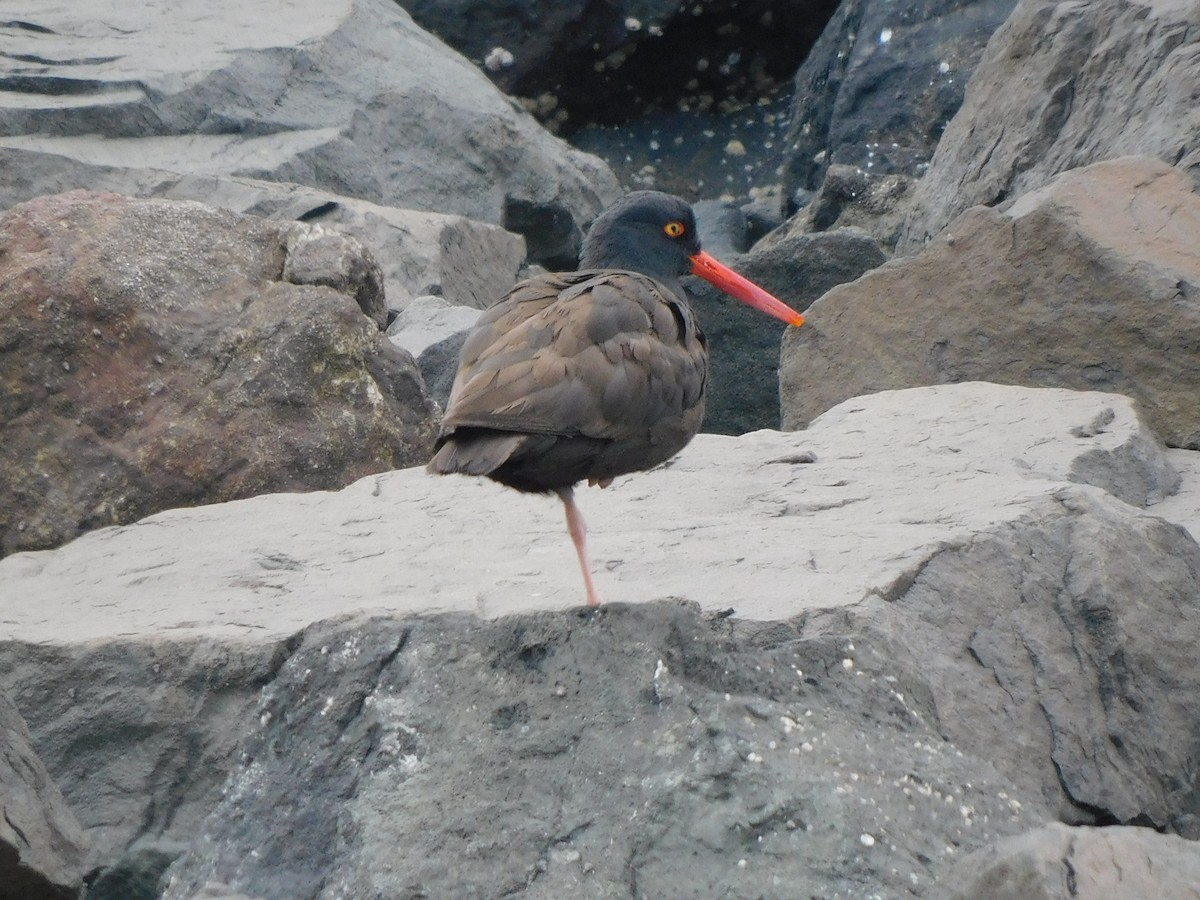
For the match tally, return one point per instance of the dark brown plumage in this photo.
(595, 373)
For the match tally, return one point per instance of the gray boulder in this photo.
(350, 97)
(163, 354)
(42, 847)
(1063, 85)
(1082, 284)
(428, 320)
(878, 88)
(952, 621)
(851, 196)
(1061, 863)
(434, 331)
(641, 751)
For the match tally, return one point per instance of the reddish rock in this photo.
(154, 356)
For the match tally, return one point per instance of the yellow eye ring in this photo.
(674, 229)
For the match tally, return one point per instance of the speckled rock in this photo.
(418, 252)
(157, 355)
(880, 85)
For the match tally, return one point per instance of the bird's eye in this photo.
(674, 229)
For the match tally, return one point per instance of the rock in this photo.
(333, 259)
(158, 357)
(433, 331)
(1063, 86)
(724, 231)
(350, 97)
(428, 320)
(1082, 284)
(578, 62)
(850, 196)
(419, 252)
(1057, 863)
(878, 88)
(136, 875)
(140, 735)
(743, 388)
(439, 365)
(41, 844)
(944, 599)
(716, 525)
(644, 746)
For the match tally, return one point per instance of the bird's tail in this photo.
(474, 454)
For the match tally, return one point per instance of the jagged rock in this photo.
(644, 751)
(743, 387)
(419, 252)
(42, 846)
(956, 582)
(879, 86)
(156, 356)
(1083, 284)
(140, 733)
(1063, 85)
(349, 96)
(1061, 863)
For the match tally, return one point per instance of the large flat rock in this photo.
(772, 524)
(956, 617)
(348, 96)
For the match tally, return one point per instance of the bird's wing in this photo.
(594, 354)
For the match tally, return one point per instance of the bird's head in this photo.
(655, 234)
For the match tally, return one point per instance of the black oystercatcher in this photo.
(595, 373)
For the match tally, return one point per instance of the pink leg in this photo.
(578, 531)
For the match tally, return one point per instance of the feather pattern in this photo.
(579, 375)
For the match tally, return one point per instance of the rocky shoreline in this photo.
(935, 638)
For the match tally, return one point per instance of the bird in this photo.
(595, 373)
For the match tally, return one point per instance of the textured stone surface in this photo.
(156, 355)
(1089, 283)
(879, 86)
(418, 252)
(796, 508)
(951, 621)
(348, 96)
(638, 751)
(743, 344)
(1062, 85)
(1061, 863)
(42, 847)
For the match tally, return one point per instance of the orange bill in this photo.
(720, 275)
